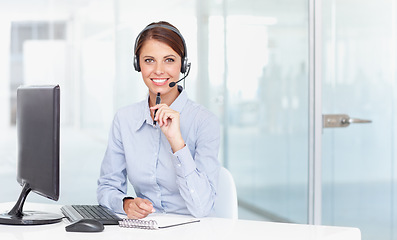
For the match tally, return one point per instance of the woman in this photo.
(173, 164)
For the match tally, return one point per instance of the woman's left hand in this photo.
(168, 120)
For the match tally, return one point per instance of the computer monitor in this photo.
(38, 111)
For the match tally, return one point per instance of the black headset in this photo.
(185, 66)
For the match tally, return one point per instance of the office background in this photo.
(252, 65)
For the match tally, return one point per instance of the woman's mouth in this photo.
(159, 81)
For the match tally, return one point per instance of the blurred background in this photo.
(253, 66)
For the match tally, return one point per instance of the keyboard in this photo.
(98, 212)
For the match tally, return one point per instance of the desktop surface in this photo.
(207, 228)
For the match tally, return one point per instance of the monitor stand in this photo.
(17, 217)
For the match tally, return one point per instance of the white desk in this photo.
(207, 228)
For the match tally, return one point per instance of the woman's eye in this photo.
(149, 60)
(169, 60)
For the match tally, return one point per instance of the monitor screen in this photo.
(38, 139)
(38, 117)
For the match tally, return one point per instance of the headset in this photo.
(185, 65)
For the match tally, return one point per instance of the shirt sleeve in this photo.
(197, 168)
(112, 182)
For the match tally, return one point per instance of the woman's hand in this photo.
(168, 120)
(137, 208)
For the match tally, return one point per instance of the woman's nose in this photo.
(159, 68)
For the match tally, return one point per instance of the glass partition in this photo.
(266, 105)
(359, 79)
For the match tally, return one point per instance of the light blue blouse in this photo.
(183, 182)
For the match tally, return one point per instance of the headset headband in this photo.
(184, 64)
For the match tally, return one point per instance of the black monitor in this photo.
(38, 111)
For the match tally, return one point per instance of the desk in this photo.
(207, 228)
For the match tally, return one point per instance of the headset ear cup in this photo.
(184, 65)
(136, 64)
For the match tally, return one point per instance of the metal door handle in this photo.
(356, 120)
(340, 120)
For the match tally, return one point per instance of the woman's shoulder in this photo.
(199, 111)
(131, 107)
(131, 111)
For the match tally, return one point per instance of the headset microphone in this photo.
(172, 84)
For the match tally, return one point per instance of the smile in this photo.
(159, 81)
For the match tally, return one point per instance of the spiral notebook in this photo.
(155, 223)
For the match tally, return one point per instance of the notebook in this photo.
(154, 223)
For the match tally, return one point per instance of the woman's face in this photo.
(160, 65)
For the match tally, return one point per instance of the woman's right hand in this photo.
(137, 208)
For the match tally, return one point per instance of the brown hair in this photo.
(164, 32)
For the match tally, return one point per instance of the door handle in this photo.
(340, 120)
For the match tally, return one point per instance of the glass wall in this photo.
(266, 110)
(359, 79)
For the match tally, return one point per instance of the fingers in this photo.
(146, 205)
(138, 208)
(164, 114)
(168, 121)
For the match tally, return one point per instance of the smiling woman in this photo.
(173, 166)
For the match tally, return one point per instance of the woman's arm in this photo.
(197, 167)
(112, 182)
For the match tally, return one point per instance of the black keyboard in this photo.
(100, 213)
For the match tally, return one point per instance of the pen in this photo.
(158, 101)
